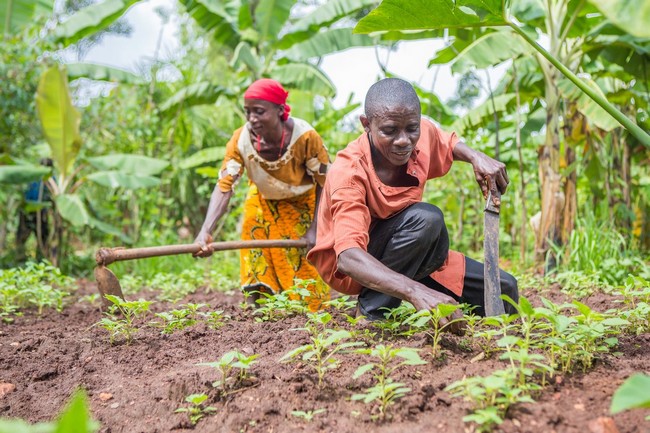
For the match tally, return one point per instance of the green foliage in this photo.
(178, 319)
(428, 321)
(309, 415)
(36, 285)
(632, 394)
(320, 353)
(227, 365)
(196, 410)
(75, 418)
(491, 396)
(129, 312)
(290, 302)
(386, 391)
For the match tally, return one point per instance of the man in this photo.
(376, 239)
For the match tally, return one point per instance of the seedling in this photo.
(394, 320)
(214, 319)
(195, 411)
(129, 312)
(273, 307)
(388, 360)
(342, 303)
(429, 322)
(492, 396)
(308, 415)
(632, 394)
(319, 355)
(229, 363)
(176, 320)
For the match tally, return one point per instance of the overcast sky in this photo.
(351, 71)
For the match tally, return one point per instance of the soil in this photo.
(137, 387)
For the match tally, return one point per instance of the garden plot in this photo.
(209, 363)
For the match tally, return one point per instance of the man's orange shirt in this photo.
(354, 196)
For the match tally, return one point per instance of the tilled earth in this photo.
(137, 387)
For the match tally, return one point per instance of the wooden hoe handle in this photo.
(106, 256)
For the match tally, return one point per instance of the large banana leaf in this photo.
(490, 50)
(325, 15)
(59, 118)
(270, 17)
(16, 174)
(72, 209)
(102, 73)
(216, 16)
(304, 76)
(119, 179)
(203, 156)
(130, 164)
(326, 42)
(194, 94)
(483, 114)
(244, 55)
(592, 111)
(91, 19)
(633, 16)
(16, 14)
(432, 14)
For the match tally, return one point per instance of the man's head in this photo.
(392, 118)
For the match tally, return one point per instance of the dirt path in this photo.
(48, 357)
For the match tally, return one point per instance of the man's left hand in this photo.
(491, 175)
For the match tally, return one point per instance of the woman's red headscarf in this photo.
(270, 90)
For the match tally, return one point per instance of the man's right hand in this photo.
(204, 240)
(428, 299)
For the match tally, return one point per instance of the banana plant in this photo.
(60, 123)
(16, 14)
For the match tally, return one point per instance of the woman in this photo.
(286, 163)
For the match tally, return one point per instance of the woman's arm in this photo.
(216, 209)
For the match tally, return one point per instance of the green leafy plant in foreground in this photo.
(227, 365)
(195, 411)
(632, 394)
(319, 354)
(491, 396)
(428, 321)
(128, 312)
(388, 359)
(75, 418)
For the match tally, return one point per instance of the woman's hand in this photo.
(204, 240)
(310, 237)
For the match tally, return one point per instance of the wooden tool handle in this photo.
(106, 256)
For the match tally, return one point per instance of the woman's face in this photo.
(263, 116)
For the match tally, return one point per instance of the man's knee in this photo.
(425, 217)
(510, 289)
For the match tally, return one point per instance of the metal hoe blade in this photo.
(492, 296)
(107, 284)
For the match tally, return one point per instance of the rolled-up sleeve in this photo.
(232, 166)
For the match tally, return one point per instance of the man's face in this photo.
(394, 132)
(263, 116)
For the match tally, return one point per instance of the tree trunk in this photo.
(522, 192)
(550, 180)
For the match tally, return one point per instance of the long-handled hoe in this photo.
(108, 284)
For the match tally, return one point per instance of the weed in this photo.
(227, 364)
(319, 354)
(388, 360)
(308, 415)
(195, 411)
